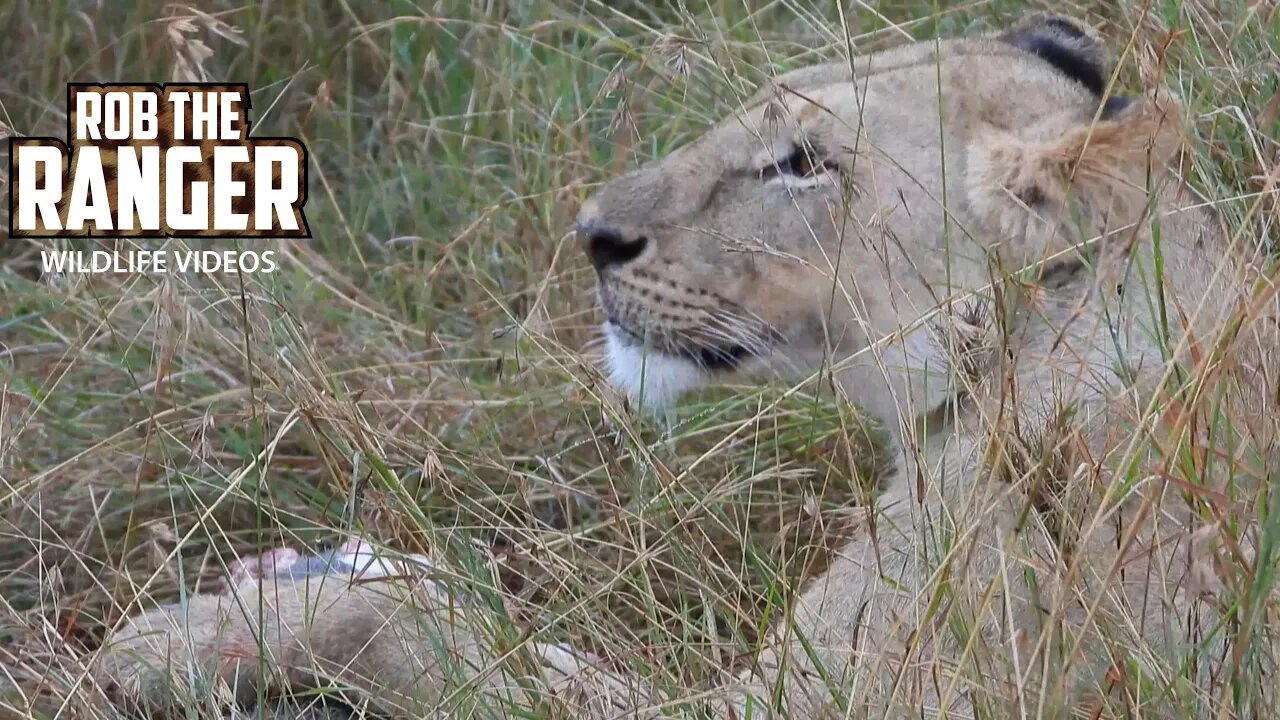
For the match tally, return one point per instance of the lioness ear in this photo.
(1106, 169)
(1071, 46)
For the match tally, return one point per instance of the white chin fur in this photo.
(652, 379)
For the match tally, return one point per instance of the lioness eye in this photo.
(803, 161)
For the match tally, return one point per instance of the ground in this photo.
(425, 369)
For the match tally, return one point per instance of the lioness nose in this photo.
(605, 246)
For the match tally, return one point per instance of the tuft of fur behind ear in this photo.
(1100, 175)
(1136, 143)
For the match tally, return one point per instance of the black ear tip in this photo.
(1068, 44)
(1067, 26)
(1064, 27)
(1114, 106)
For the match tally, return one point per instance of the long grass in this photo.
(425, 370)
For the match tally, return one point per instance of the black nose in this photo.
(606, 246)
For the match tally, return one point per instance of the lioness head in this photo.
(850, 199)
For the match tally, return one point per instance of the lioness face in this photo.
(839, 206)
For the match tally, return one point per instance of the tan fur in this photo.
(969, 171)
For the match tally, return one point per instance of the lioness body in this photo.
(841, 219)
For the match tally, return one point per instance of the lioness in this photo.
(993, 257)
